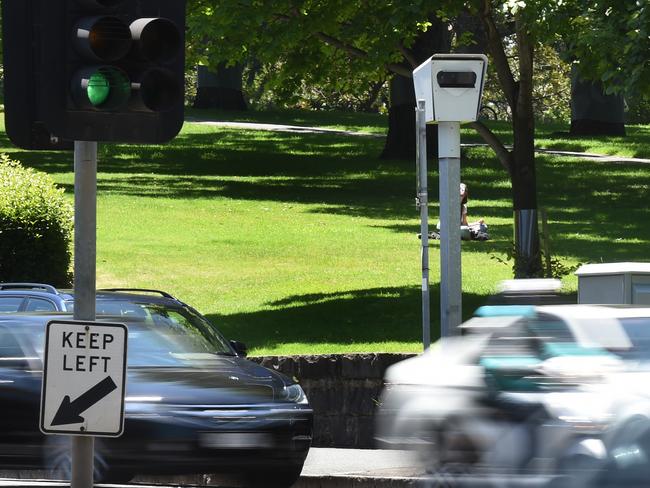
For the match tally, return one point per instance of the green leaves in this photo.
(35, 226)
(612, 42)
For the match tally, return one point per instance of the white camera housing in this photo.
(452, 86)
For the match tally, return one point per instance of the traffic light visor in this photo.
(100, 3)
(157, 39)
(157, 91)
(103, 38)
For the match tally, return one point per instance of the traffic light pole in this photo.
(85, 255)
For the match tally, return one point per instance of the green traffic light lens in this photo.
(101, 88)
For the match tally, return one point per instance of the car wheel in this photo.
(630, 452)
(579, 471)
(57, 457)
(273, 478)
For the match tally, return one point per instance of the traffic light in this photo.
(104, 70)
(22, 123)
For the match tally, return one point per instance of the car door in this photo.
(20, 383)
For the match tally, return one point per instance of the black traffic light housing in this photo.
(101, 70)
(22, 123)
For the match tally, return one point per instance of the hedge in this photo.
(36, 227)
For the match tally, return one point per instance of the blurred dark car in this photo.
(33, 297)
(193, 403)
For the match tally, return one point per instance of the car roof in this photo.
(584, 311)
(48, 291)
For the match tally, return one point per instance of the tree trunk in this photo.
(400, 140)
(524, 197)
(524, 181)
(221, 89)
(593, 113)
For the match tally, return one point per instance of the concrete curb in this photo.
(353, 481)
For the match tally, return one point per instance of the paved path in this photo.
(361, 462)
(281, 128)
(320, 130)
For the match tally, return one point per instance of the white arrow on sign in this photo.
(84, 378)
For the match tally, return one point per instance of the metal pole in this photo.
(85, 255)
(423, 204)
(450, 263)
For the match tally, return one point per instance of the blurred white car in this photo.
(545, 389)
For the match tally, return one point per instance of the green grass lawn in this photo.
(556, 137)
(306, 243)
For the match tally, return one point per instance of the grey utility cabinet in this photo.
(614, 283)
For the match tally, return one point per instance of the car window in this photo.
(160, 335)
(9, 346)
(39, 305)
(513, 341)
(551, 329)
(10, 304)
(638, 331)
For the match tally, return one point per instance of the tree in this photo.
(335, 41)
(220, 89)
(610, 40)
(360, 38)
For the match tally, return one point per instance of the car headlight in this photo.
(294, 394)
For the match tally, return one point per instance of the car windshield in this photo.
(159, 335)
(164, 334)
(638, 332)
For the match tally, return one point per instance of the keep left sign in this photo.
(84, 378)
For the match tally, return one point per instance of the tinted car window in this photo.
(9, 347)
(515, 340)
(638, 331)
(161, 327)
(39, 305)
(10, 304)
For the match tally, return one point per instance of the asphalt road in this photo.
(324, 468)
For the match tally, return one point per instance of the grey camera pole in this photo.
(85, 254)
(422, 202)
(450, 261)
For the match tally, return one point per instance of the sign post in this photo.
(422, 200)
(449, 87)
(85, 284)
(450, 259)
(84, 370)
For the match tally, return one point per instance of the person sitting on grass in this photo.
(475, 230)
(468, 231)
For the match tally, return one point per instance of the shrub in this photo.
(36, 223)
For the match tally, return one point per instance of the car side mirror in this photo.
(240, 348)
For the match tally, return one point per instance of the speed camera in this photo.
(452, 86)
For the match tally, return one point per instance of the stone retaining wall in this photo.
(342, 390)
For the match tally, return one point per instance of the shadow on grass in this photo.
(372, 315)
(596, 210)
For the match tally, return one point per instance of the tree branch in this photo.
(348, 48)
(408, 55)
(399, 69)
(355, 52)
(505, 156)
(495, 46)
